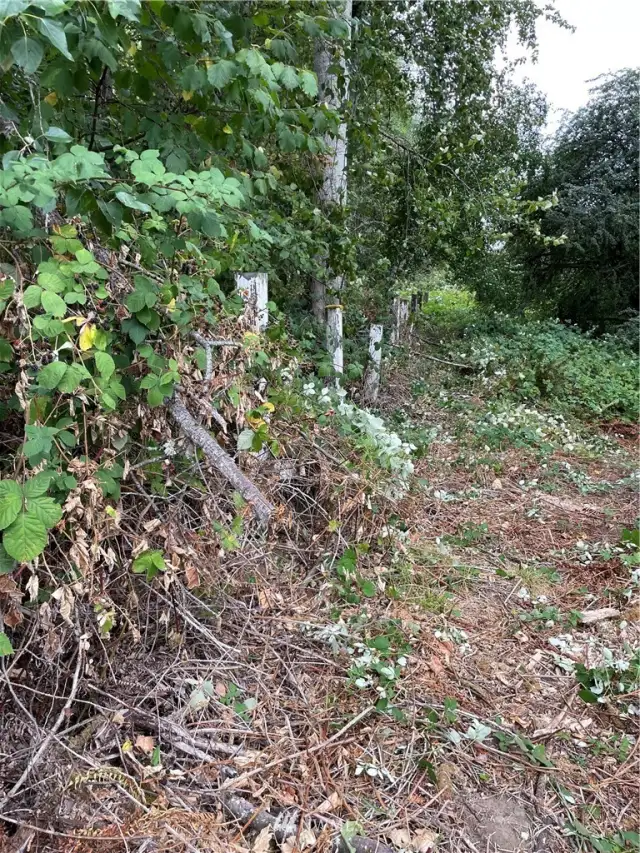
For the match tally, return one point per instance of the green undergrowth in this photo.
(529, 361)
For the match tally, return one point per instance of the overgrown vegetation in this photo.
(225, 566)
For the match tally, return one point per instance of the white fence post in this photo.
(253, 287)
(372, 373)
(334, 337)
(400, 319)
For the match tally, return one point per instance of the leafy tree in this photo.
(590, 277)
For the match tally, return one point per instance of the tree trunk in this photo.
(333, 191)
(372, 374)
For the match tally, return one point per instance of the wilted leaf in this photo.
(145, 743)
(87, 336)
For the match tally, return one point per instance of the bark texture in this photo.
(221, 461)
(333, 89)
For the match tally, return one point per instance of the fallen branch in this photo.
(208, 344)
(285, 825)
(221, 461)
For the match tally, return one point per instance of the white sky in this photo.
(606, 38)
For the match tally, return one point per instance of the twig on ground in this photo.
(44, 746)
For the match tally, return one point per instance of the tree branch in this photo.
(221, 461)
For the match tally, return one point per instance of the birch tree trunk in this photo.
(325, 296)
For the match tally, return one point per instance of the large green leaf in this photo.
(74, 375)
(129, 9)
(131, 201)
(221, 73)
(10, 502)
(25, 538)
(51, 374)
(53, 304)
(12, 7)
(38, 485)
(105, 364)
(27, 53)
(45, 509)
(53, 31)
(32, 296)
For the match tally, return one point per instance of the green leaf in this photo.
(8, 8)
(45, 509)
(309, 83)
(25, 538)
(6, 350)
(5, 645)
(131, 201)
(221, 73)
(74, 375)
(7, 563)
(38, 485)
(129, 9)
(155, 396)
(53, 304)
(105, 364)
(150, 562)
(53, 31)
(39, 440)
(289, 77)
(368, 588)
(27, 53)
(245, 439)
(57, 134)
(32, 296)
(52, 374)
(10, 502)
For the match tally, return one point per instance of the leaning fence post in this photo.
(253, 287)
(372, 374)
(400, 319)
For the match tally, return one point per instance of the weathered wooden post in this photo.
(372, 374)
(400, 319)
(335, 337)
(253, 287)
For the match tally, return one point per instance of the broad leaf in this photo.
(45, 509)
(131, 201)
(53, 304)
(25, 538)
(31, 296)
(74, 375)
(51, 374)
(105, 364)
(57, 134)
(10, 502)
(27, 53)
(221, 73)
(129, 9)
(53, 31)
(38, 485)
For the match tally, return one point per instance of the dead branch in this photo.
(62, 716)
(285, 825)
(221, 461)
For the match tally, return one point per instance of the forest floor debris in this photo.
(241, 716)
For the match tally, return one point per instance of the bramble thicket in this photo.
(244, 530)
